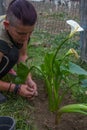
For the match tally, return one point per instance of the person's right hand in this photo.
(25, 91)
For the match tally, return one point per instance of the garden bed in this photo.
(43, 119)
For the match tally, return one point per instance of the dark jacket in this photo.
(10, 50)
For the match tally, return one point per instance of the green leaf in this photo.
(22, 72)
(46, 67)
(76, 69)
(78, 108)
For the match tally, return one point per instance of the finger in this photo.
(30, 89)
(30, 98)
(36, 93)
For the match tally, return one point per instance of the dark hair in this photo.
(23, 11)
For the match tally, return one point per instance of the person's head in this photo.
(20, 20)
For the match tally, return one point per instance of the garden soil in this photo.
(44, 119)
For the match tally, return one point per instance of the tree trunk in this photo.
(83, 35)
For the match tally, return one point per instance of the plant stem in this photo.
(57, 118)
(63, 95)
(58, 48)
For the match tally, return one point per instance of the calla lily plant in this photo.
(56, 71)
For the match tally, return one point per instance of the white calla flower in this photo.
(75, 27)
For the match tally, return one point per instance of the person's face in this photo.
(20, 33)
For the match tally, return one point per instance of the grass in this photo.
(47, 42)
(19, 108)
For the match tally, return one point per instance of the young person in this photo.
(15, 31)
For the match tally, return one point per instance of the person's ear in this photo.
(6, 24)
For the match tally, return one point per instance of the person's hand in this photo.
(22, 58)
(32, 86)
(26, 91)
(12, 72)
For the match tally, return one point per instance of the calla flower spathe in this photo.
(75, 27)
(72, 51)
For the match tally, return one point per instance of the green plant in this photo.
(57, 71)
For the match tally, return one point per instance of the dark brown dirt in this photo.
(44, 119)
